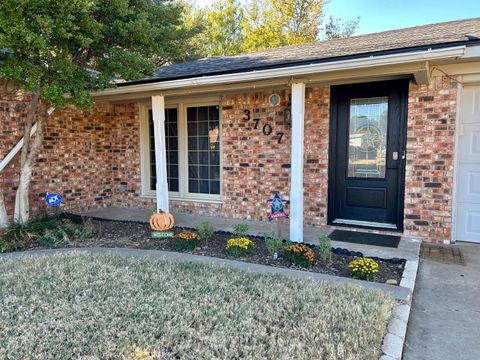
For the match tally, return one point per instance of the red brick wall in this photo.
(430, 159)
(78, 158)
(255, 165)
(93, 157)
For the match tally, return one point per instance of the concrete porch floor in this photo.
(408, 248)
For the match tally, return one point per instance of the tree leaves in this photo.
(75, 47)
(233, 26)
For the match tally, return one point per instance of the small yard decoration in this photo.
(239, 246)
(363, 268)
(161, 223)
(299, 255)
(186, 240)
(277, 212)
(53, 199)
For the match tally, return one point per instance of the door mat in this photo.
(444, 254)
(365, 238)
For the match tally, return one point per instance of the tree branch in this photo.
(28, 125)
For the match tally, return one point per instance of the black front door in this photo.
(367, 152)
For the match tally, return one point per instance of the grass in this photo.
(107, 307)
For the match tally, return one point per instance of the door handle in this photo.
(395, 155)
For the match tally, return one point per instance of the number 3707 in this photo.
(266, 128)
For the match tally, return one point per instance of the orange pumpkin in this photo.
(161, 221)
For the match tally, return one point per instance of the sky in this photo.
(381, 15)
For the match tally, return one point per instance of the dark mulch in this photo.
(136, 235)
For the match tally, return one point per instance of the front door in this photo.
(367, 152)
(467, 212)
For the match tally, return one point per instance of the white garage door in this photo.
(468, 167)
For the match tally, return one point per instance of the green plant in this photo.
(363, 268)
(240, 229)
(299, 255)
(60, 52)
(273, 242)
(49, 231)
(205, 230)
(53, 238)
(325, 248)
(185, 240)
(21, 236)
(239, 246)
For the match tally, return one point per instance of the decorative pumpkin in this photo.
(161, 221)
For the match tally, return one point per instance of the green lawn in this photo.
(108, 307)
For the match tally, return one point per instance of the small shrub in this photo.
(325, 248)
(240, 230)
(205, 230)
(363, 268)
(239, 246)
(273, 242)
(299, 255)
(53, 238)
(186, 240)
(45, 231)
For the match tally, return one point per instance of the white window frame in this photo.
(183, 193)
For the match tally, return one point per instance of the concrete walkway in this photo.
(445, 318)
(408, 248)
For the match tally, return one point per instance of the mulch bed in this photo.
(137, 235)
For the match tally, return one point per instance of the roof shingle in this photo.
(447, 33)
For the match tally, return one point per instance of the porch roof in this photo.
(434, 36)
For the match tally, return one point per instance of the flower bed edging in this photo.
(397, 292)
(394, 339)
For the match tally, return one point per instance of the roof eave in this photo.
(429, 54)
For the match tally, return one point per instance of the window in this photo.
(171, 143)
(368, 137)
(203, 150)
(192, 140)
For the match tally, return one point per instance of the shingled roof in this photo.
(420, 37)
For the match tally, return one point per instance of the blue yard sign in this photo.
(53, 199)
(277, 210)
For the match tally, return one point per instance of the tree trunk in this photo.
(3, 212)
(29, 154)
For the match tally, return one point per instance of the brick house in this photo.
(375, 131)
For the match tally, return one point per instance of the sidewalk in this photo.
(445, 318)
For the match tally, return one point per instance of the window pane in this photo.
(193, 172)
(173, 171)
(193, 157)
(214, 172)
(203, 187)
(192, 129)
(203, 145)
(204, 173)
(368, 137)
(192, 143)
(203, 128)
(171, 143)
(202, 113)
(173, 185)
(193, 186)
(214, 187)
(203, 157)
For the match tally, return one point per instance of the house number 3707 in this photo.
(266, 128)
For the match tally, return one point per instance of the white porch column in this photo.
(158, 113)
(296, 175)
